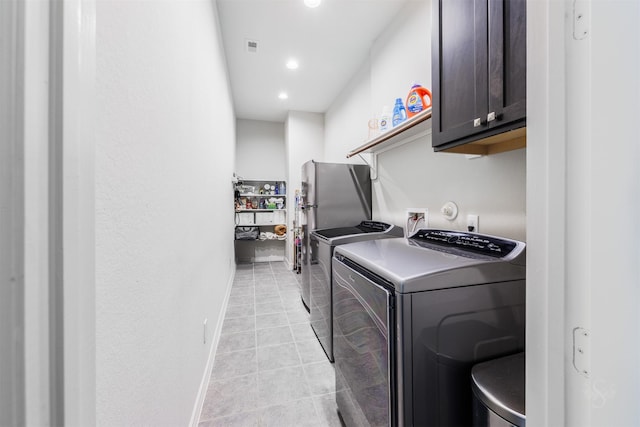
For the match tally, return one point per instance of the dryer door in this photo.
(362, 333)
(320, 287)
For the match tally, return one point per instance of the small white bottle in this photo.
(385, 119)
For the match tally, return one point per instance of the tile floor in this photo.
(269, 368)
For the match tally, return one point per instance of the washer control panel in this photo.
(477, 243)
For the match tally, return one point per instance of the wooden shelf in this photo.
(407, 130)
(420, 125)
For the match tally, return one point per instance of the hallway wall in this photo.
(260, 152)
(164, 245)
(304, 136)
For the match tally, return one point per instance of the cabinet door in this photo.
(507, 61)
(459, 68)
(478, 69)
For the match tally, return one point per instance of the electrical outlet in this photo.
(472, 223)
(417, 218)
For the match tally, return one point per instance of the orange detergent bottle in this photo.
(416, 101)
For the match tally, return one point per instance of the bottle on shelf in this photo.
(417, 100)
(399, 112)
(385, 119)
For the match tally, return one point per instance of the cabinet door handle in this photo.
(491, 116)
(477, 122)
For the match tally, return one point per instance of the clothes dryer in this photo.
(322, 244)
(411, 318)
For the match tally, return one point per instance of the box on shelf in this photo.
(246, 218)
(250, 189)
(264, 217)
(279, 217)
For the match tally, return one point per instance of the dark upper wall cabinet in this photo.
(479, 70)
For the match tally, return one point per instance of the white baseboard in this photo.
(268, 258)
(288, 263)
(204, 383)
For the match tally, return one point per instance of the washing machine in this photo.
(412, 316)
(322, 245)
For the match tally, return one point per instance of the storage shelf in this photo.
(271, 224)
(251, 192)
(417, 125)
(265, 240)
(261, 210)
(261, 195)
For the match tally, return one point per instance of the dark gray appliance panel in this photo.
(362, 315)
(454, 329)
(323, 242)
(320, 291)
(314, 274)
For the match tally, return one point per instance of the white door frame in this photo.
(583, 204)
(546, 213)
(73, 129)
(47, 331)
(12, 375)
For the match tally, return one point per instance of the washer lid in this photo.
(330, 233)
(418, 264)
(365, 227)
(500, 385)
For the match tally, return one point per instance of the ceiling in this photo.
(330, 43)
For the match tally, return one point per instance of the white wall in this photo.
(346, 122)
(412, 175)
(304, 141)
(260, 150)
(584, 202)
(164, 233)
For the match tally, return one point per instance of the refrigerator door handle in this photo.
(309, 206)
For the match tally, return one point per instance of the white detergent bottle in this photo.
(385, 119)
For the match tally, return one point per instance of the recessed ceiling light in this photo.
(312, 3)
(283, 95)
(292, 64)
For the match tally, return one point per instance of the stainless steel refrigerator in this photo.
(332, 195)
